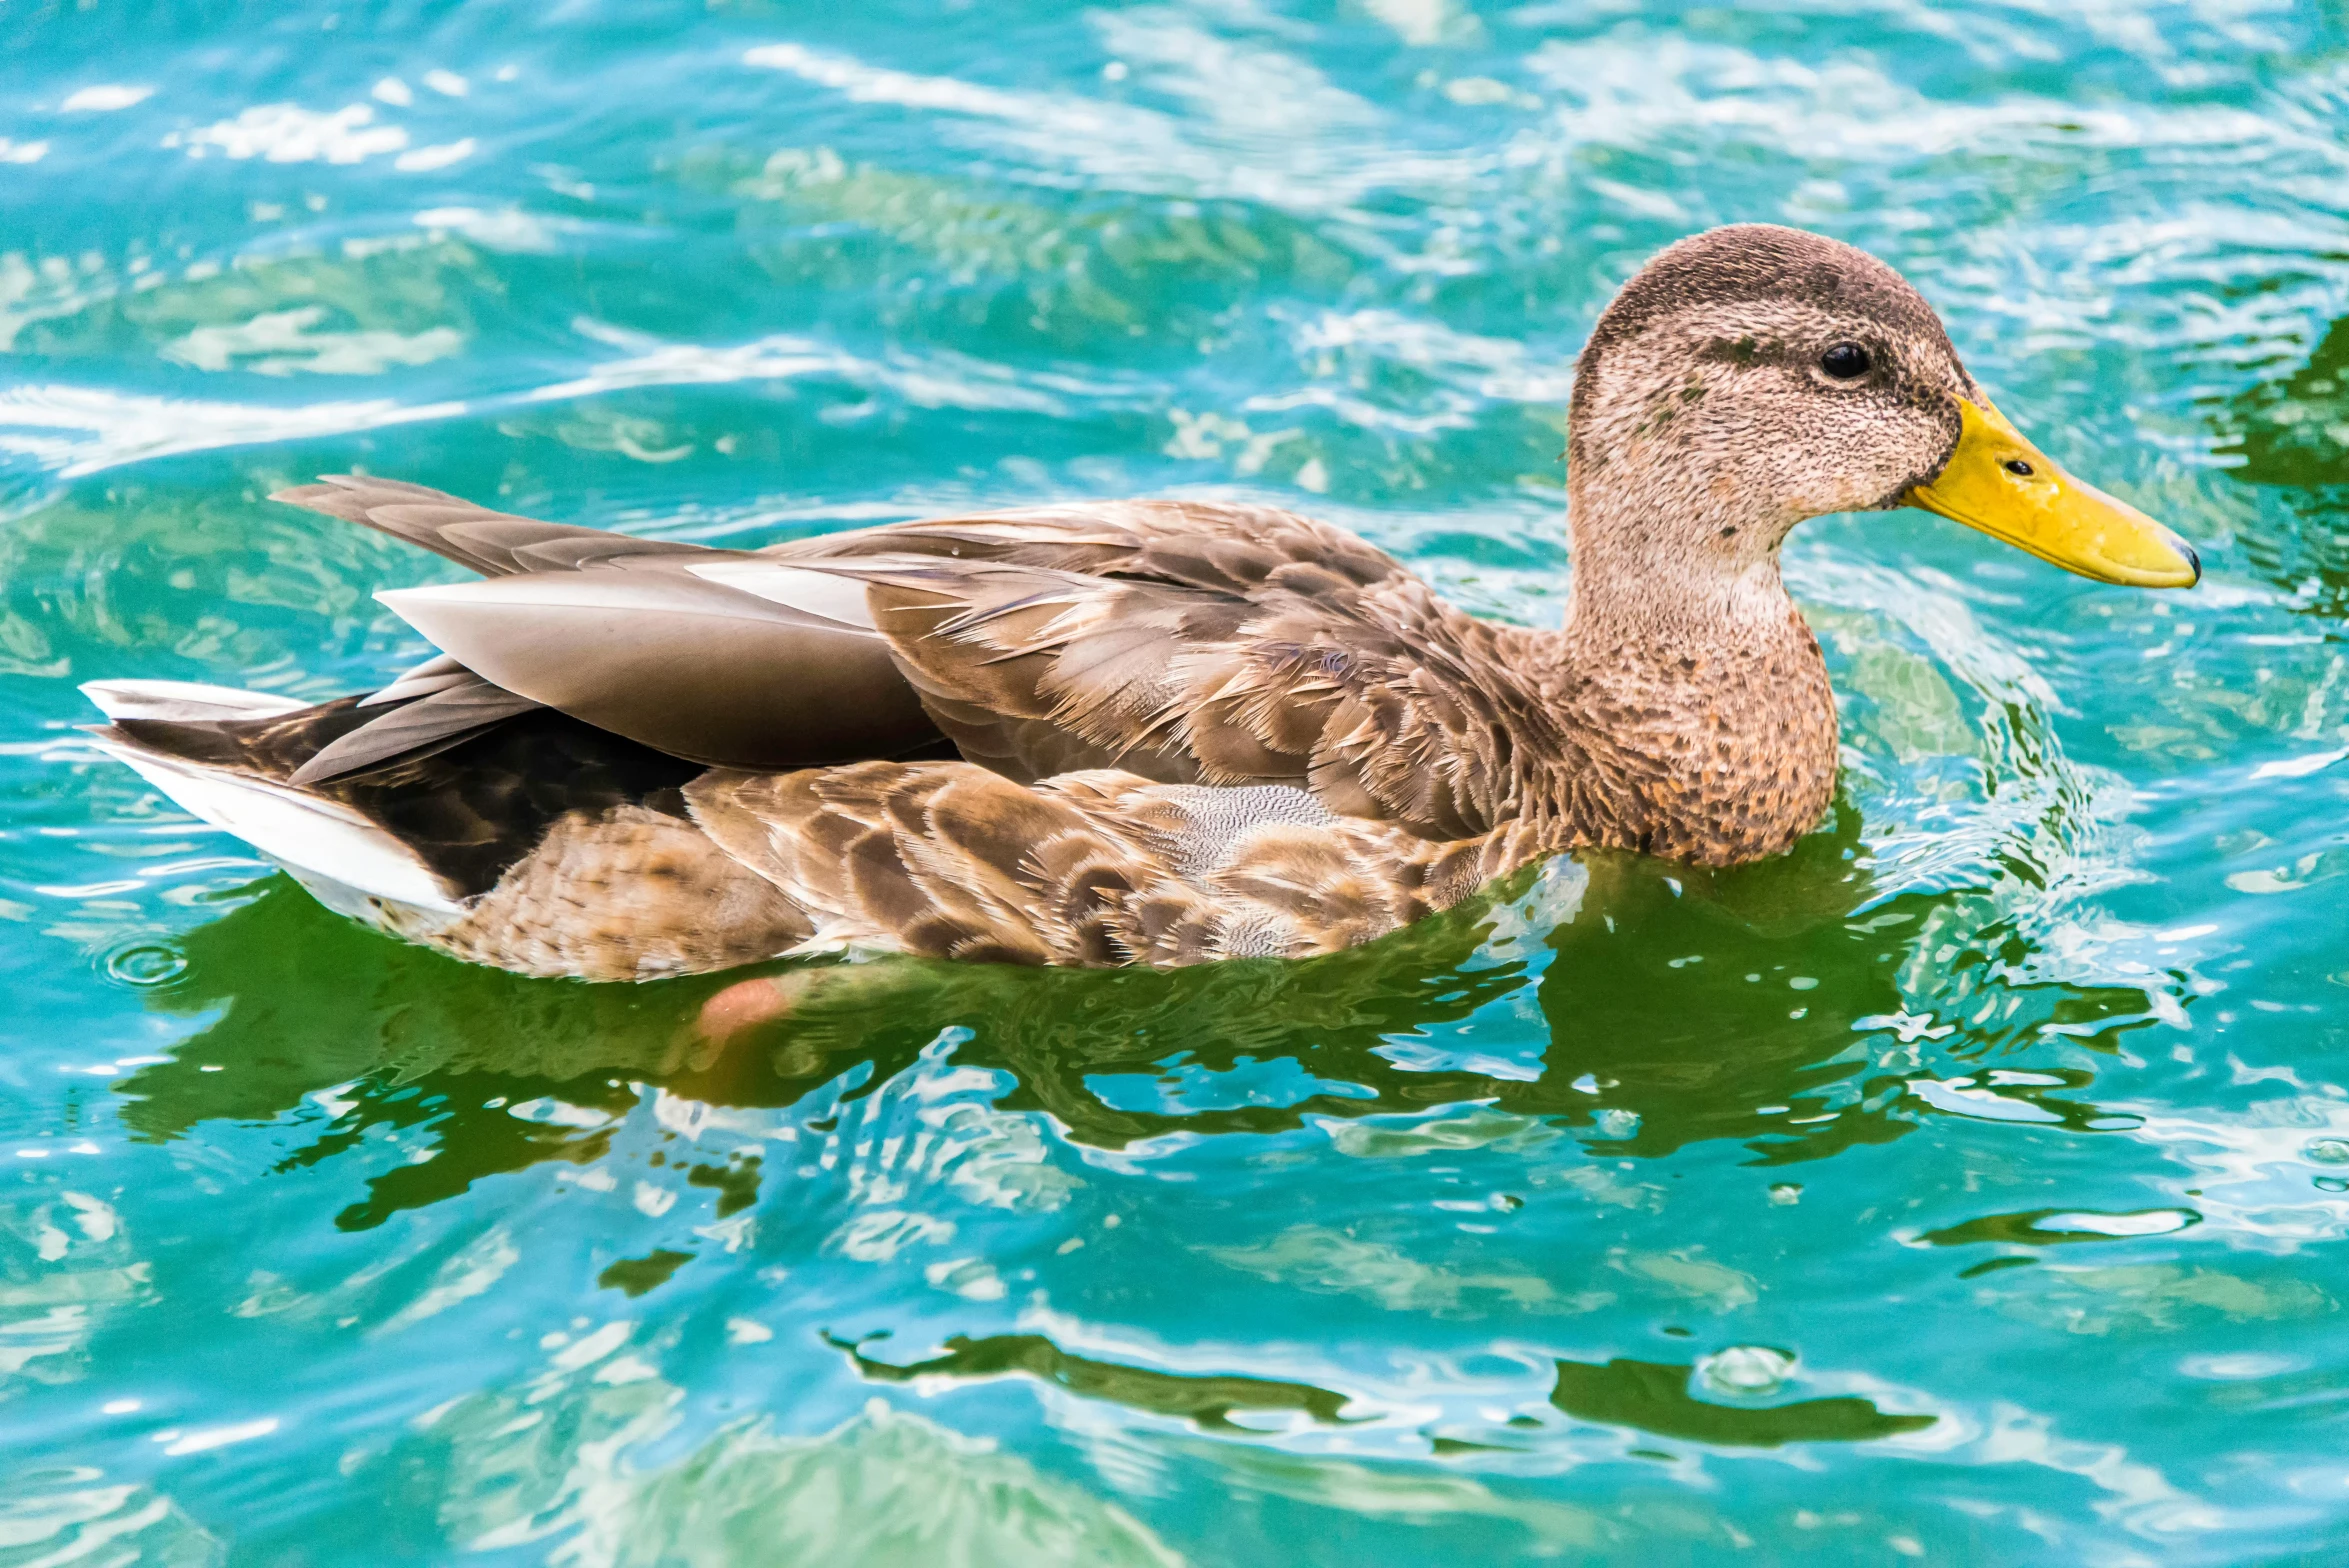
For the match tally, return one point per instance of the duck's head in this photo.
(1753, 376)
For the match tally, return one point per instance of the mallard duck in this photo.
(1154, 732)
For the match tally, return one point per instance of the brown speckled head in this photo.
(1747, 378)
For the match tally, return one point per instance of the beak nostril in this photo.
(1987, 482)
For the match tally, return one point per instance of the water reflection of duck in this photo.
(1668, 1015)
(2290, 436)
(1135, 732)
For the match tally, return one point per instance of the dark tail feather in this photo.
(413, 730)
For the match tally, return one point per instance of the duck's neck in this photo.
(1672, 606)
(1694, 686)
(1666, 551)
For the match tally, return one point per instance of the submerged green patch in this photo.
(1653, 1396)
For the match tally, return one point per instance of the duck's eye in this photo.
(2015, 465)
(1845, 361)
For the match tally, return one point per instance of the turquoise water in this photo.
(1970, 1187)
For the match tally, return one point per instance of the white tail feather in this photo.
(185, 701)
(311, 836)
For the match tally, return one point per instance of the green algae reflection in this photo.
(1653, 1396)
(1204, 1400)
(2290, 435)
(1681, 1007)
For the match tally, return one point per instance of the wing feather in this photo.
(472, 536)
(697, 668)
(1232, 645)
(1180, 640)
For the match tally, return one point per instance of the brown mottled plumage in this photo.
(1127, 732)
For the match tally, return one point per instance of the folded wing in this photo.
(1184, 642)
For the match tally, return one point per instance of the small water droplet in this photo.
(2327, 1151)
(2332, 1183)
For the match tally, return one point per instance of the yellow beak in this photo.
(2003, 485)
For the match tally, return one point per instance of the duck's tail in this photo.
(207, 749)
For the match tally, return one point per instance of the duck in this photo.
(1132, 732)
